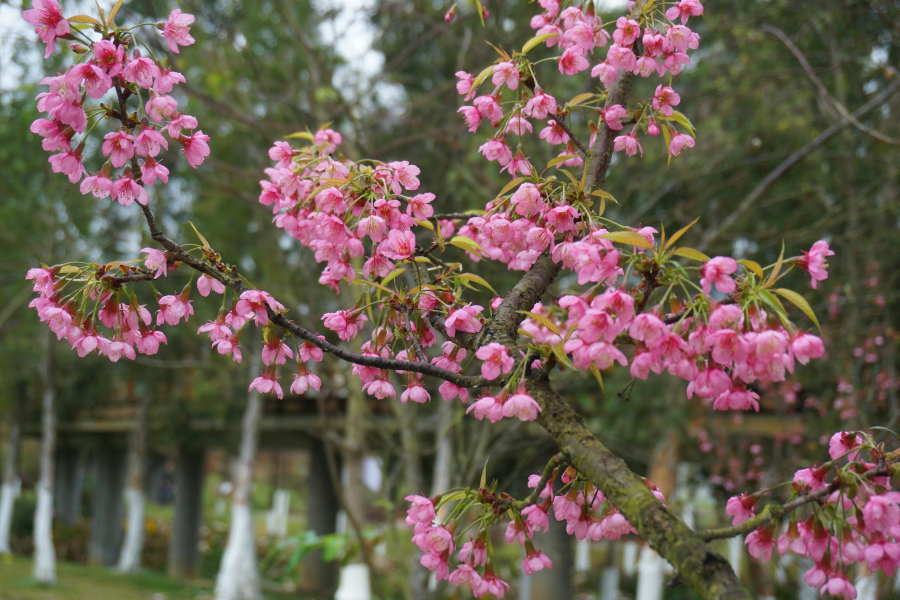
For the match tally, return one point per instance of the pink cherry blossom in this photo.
(100, 185)
(716, 271)
(572, 61)
(679, 142)
(126, 190)
(506, 73)
(345, 323)
(613, 116)
(605, 72)
(760, 544)
(685, 9)
(156, 261)
(415, 393)
(48, 21)
(141, 71)
(303, 381)
(464, 319)
(540, 105)
(267, 383)
(109, 56)
(149, 141)
(664, 99)
(496, 360)
(174, 308)
(151, 170)
(177, 30)
(629, 143)
(195, 147)
(815, 263)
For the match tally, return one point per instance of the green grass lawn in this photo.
(81, 582)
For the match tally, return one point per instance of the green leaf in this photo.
(333, 545)
(800, 302)
(199, 235)
(603, 194)
(683, 121)
(580, 99)
(668, 137)
(467, 244)
(482, 76)
(500, 51)
(560, 354)
(533, 42)
(561, 159)
(602, 207)
(575, 182)
(542, 320)
(392, 276)
(778, 264)
(113, 12)
(301, 134)
(596, 373)
(426, 224)
(630, 238)
(509, 186)
(772, 302)
(753, 267)
(476, 279)
(83, 19)
(691, 253)
(680, 233)
(483, 483)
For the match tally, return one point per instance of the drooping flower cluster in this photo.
(858, 520)
(585, 510)
(113, 68)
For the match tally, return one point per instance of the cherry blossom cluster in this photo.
(578, 32)
(855, 519)
(718, 347)
(113, 62)
(585, 510)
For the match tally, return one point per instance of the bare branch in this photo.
(713, 234)
(823, 92)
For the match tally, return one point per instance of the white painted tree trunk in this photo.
(9, 491)
(130, 557)
(44, 552)
(651, 575)
(135, 497)
(238, 577)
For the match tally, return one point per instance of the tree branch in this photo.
(823, 92)
(775, 512)
(695, 563)
(712, 235)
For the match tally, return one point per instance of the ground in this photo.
(81, 582)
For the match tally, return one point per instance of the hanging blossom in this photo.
(858, 521)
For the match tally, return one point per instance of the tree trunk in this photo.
(702, 569)
(44, 552)
(238, 577)
(184, 551)
(135, 494)
(10, 488)
(108, 510)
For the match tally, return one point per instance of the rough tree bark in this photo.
(238, 577)
(10, 488)
(135, 492)
(44, 552)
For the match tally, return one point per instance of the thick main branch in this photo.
(696, 563)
